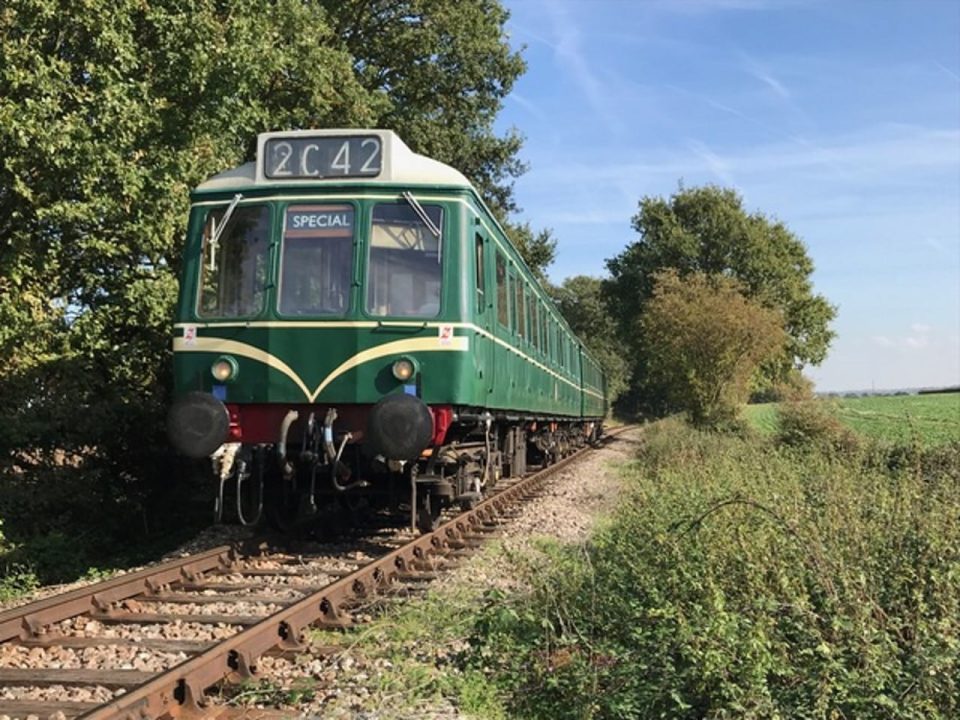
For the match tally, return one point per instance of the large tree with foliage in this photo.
(707, 230)
(706, 340)
(445, 69)
(111, 111)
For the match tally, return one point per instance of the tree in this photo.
(707, 339)
(537, 249)
(444, 67)
(111, 112)
(706, 230)
(584, 306)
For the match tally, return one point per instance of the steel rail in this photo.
(26, 621)
(179, 692)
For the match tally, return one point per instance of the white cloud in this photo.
(947, 70)
(872, 154)
(530, 107)
(755, 69)
(717, 165)
(569, 51)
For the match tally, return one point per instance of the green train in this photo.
(355, 329)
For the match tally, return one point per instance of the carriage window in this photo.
(543, 329)
(513, 305)
(522, 327)
(529, 315)
(481, 302)
(503, 316)
(404, 271)
(233, 274)
(316, 260)
(535, 326)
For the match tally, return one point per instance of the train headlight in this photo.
(404, 369)
(224, 369)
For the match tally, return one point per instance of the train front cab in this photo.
(260, 362)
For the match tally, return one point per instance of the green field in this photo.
(934, 419)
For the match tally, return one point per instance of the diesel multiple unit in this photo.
(354, 328)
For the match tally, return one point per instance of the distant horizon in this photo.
(946, 390)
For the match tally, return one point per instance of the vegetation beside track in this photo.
(59, 524)
(741, 578)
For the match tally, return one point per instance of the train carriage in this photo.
(354, 326)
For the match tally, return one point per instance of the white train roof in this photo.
(317, 157)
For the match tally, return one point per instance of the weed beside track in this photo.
(743, 580)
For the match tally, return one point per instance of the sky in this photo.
(841, 118)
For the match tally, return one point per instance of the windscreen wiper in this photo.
(218, 231)
(418, 209)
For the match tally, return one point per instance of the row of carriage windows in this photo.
(316, 261)
(520, 310)
(316, 270)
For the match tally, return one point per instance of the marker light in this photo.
(404, 369)
(224, 369)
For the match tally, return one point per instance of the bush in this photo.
(811, 424)
(743, 581)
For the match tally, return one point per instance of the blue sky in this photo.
(840, 118)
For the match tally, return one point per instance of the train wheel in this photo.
(428, 515)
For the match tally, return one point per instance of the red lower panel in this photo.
(260, 423)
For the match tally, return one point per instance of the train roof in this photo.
(316, 157)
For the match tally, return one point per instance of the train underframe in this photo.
(320, 468)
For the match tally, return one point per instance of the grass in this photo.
(931, 419)
(410, 657)
(934, 418)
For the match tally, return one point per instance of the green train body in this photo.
(338, 271)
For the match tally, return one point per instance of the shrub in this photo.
(740, 581)
(811, 424)
(707, 340)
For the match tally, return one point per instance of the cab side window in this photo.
(234, 262)
(404, 269)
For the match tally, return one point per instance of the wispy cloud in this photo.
(770, 81)
(921, 336)
(755, 69)
(716, 164)
(942, 246)
(708, 6)
(870, 154)
(530, 107)
(569, 50)
(948, 71)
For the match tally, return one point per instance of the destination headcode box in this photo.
(305, 157)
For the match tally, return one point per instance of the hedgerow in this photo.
(740, 580)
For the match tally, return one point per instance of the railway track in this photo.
(152, 643)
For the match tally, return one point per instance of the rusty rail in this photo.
(180, 691)
(26, 621)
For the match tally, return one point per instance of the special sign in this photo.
(301, 158)
(316, 220)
